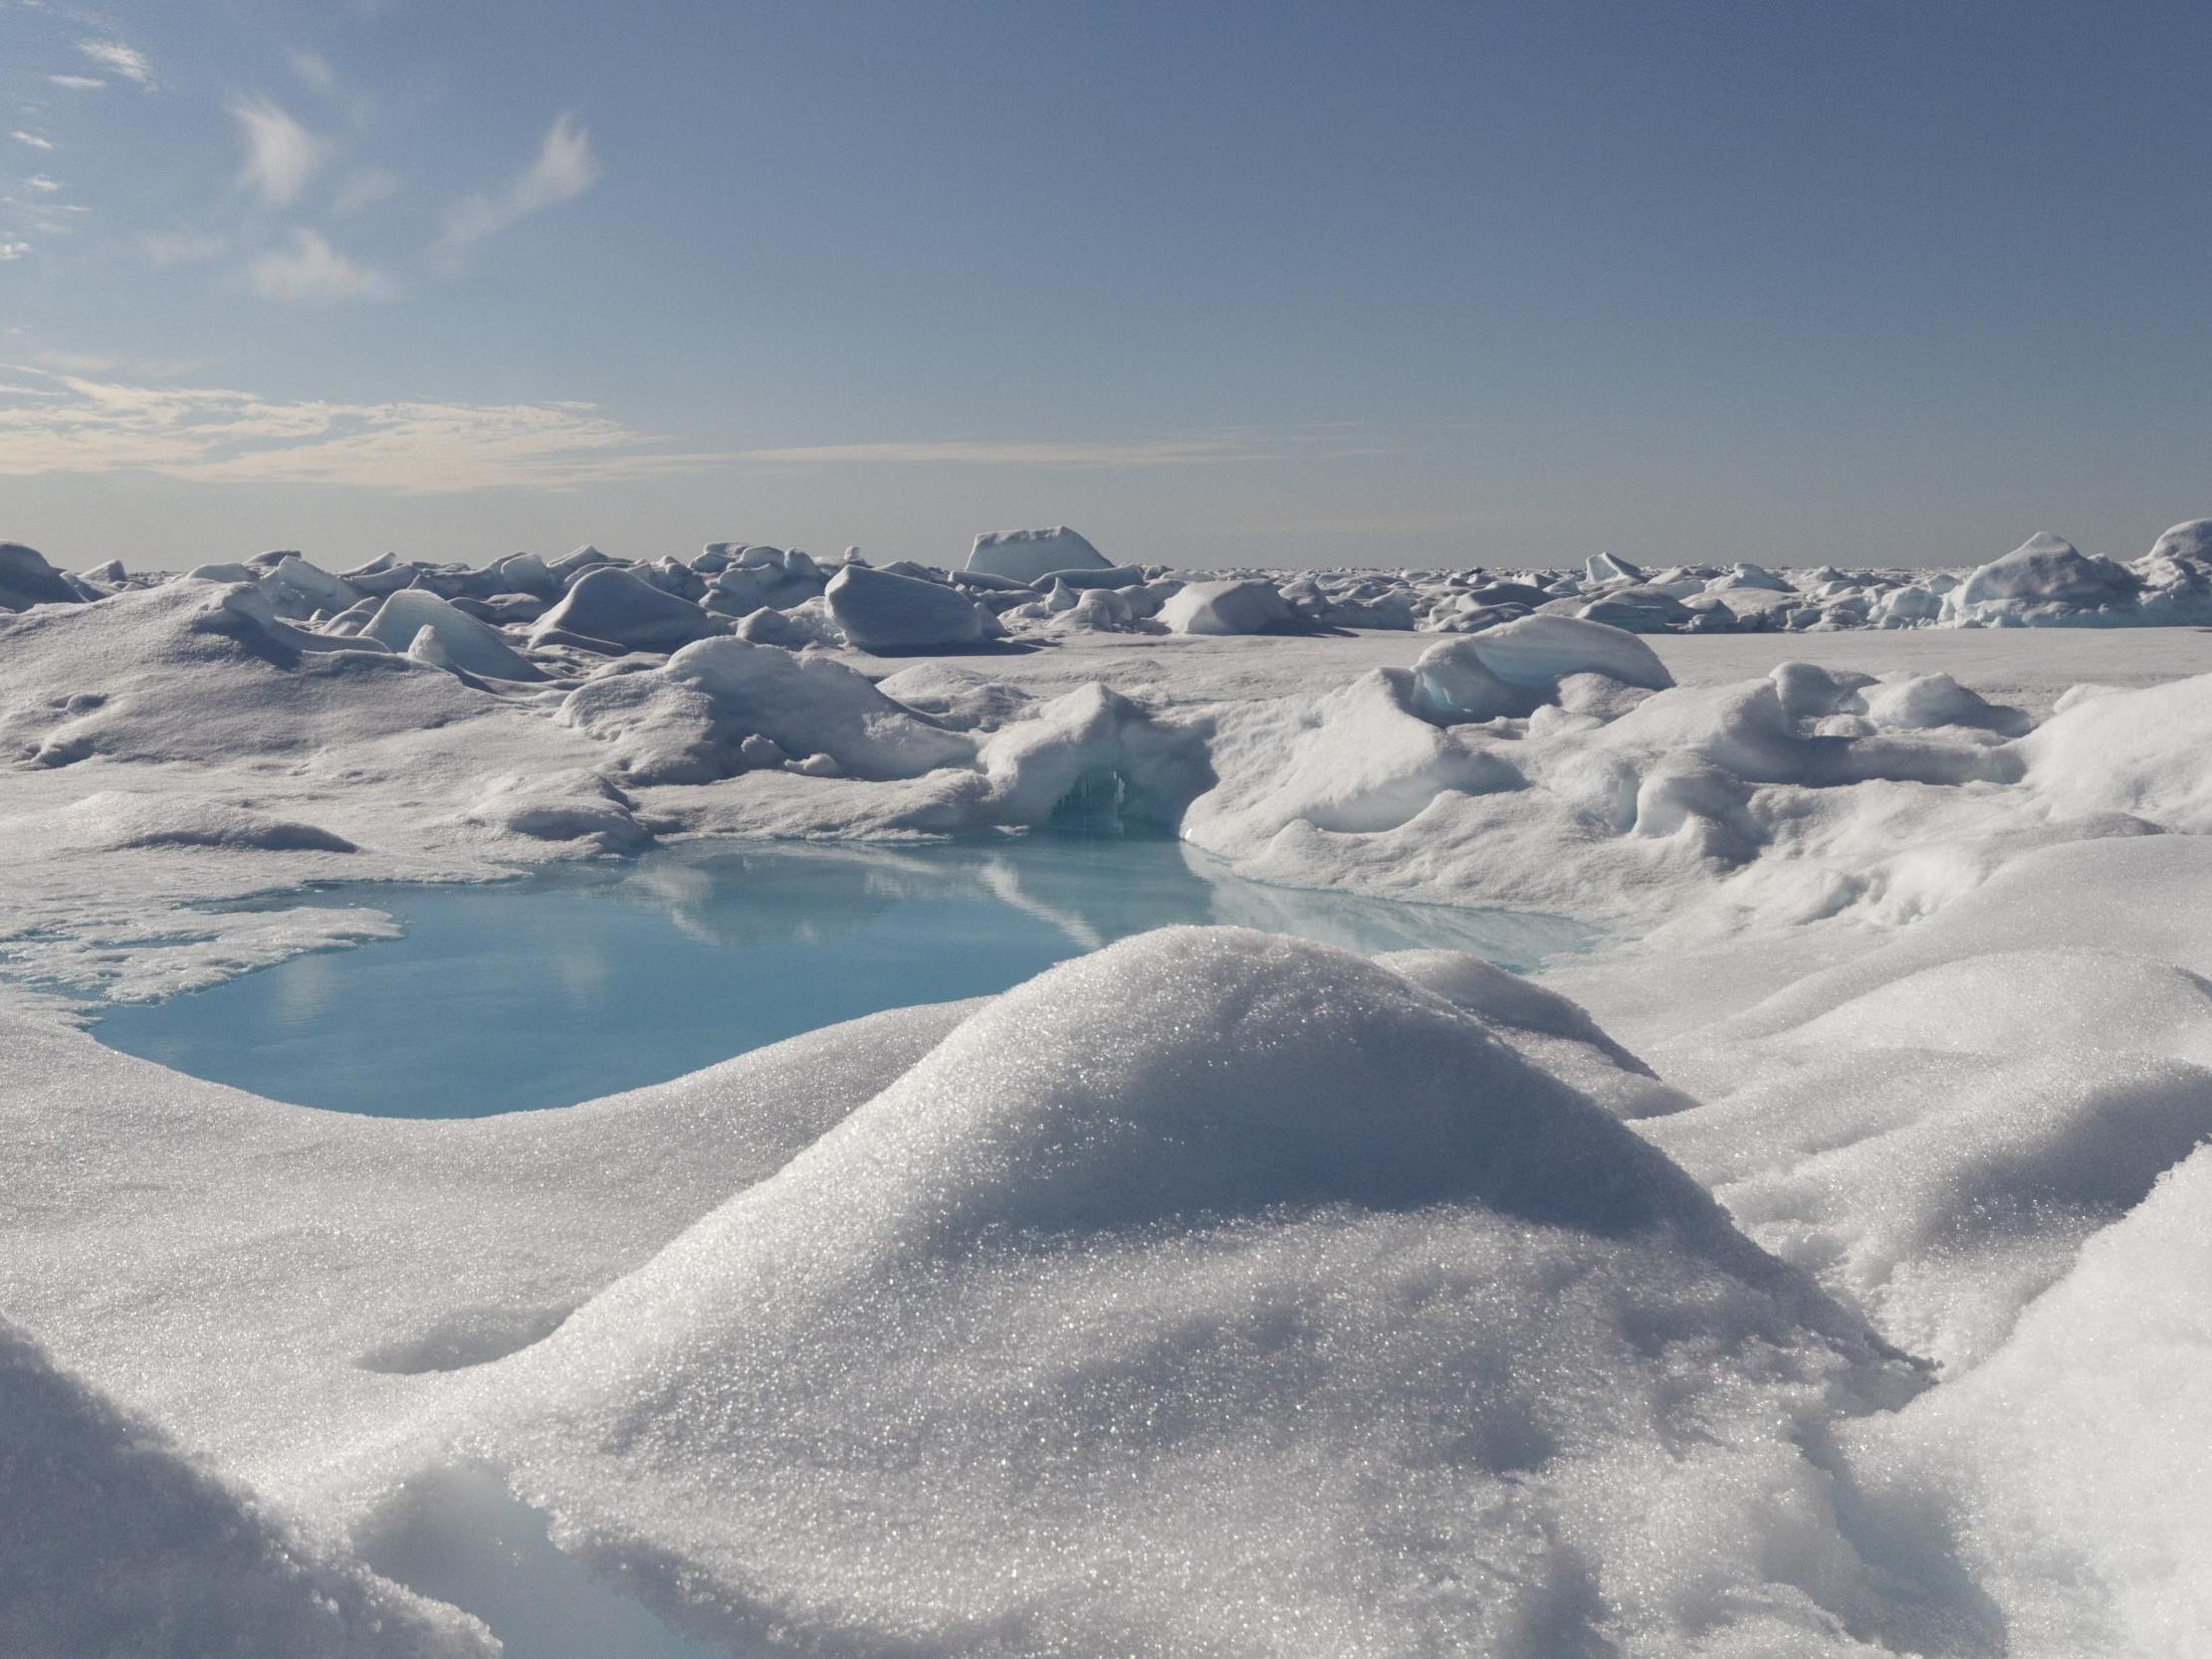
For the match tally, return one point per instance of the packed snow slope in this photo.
(1817, 1268)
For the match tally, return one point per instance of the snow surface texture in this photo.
(1817, 1269)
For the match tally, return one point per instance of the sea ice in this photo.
(1212, 1293)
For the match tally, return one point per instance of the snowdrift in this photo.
(1207, 1251)
(1243, 1263)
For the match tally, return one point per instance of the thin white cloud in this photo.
(314, 69)
(37, 142)
(564, 170)
(77, 82)
(10, 249)
(118, 59)
(281, 155)
(43, 185)
(185, 247)
(315, 73)
(64, 422)
(313, 273)
(362, 191)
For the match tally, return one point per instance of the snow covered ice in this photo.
(1816, 1267)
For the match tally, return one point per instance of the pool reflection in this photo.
(588, 979)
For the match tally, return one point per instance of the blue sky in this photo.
(1217, 284)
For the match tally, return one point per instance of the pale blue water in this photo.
(590, 979)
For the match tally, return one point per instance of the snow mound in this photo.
(575, 805)
(959, 698)
(1354, 761)
(2070, 1465)
(1454, 681)
(1250, 1266)
(2138, 753)
(2019, 1001)
(2191, 539)
(1920, 703)
(120, 820)
(183, 672)
(1641, 611)
(1511, 669)
(2043, 575)
(724, 706)
(1543, 650)
(112, 1542)
(1552, 1030)
(1941, 1191)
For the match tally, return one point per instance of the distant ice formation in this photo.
(1045, 584)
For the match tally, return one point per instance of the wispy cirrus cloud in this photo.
(313, 273)
(36, 140)
(564, 170)
(124, 62)
(12, 250)
(54, 422)
(281, 155)
(77, 82)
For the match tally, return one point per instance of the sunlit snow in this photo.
(1817, 1264)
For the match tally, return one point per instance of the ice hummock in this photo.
(1043, 586)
